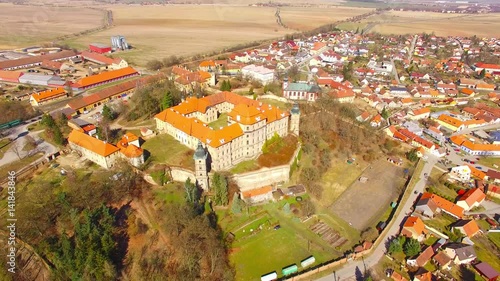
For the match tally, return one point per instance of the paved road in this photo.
(18, 134)
(490, 208)
(349, 270)
(412, 47)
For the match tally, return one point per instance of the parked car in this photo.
(277, 227)
(472, 162)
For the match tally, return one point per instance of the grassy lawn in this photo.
(220, 122)
(170, 193)
(431, 240)
(245, 166)
(293, 242)
(252, 257)
(5, 144)
(486, 251)
(383, 264)
(440, 222)
(440, 188)
(17, 165)
(489, 161)
(338, 178)
(282, 105)
(165, 149)
(494, 238)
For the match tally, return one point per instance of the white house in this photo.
(259, 73)
(460, 173)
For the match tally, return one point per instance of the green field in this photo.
(220, 122)
(5, 144)
(169, 193)
(255, 238)
(245, 166)
(486, 251)
(165, 149)
(490, 161)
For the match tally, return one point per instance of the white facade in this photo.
(259, 73)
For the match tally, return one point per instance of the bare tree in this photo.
(17, 149)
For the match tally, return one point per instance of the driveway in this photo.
(348, 272)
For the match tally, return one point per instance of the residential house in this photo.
(485, 87)
(442, 260)
(488, 272)
(469, 83)
(262, 194)
(207, 65)
(460, 173)
(413, 127)
(493, 175)
(398, 91)
(435, 133)
(363, 117)
(418, 114)
(450, 123)
(414, 228)
(468, 92)
(376, 121)
(460, 253)
(260, 73)
(422, 259)
(471, 199)
(343, 95)
(429, 204)
(469, 228)
(476, 173)
(423, 275)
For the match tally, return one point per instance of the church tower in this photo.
(285, 83)
(200, 164)
(295, 119)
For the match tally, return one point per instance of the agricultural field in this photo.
(35, 25)
(407, 22)
(156, 32)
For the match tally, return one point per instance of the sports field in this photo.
(34, 25)
(442, 24)
(161, 31)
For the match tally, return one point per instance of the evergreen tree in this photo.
(411, 247)
(395, 246)
(482, 74)
(219, 183)
(191, 192)
(107, 113)
(236, 205)
(357, 30)
(384, 113)
(166, 102)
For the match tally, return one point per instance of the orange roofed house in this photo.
(39, 98)
(250, 123)
(414, 228)
(258, 195)
(105, 154)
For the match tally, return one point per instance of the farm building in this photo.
(41, 80)
(103, 78)
(37, 60)
(10, 76)
(39, 98)
(85, 103)
(99, 48)
(111, 63)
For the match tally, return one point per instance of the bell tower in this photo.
(200, 164)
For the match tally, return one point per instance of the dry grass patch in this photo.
(279, 152)
(183, 30)
(407, 22)
(25, 25)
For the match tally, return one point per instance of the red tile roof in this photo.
(98, 146)
(48, 94)
(105, 77)
(256, 192)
